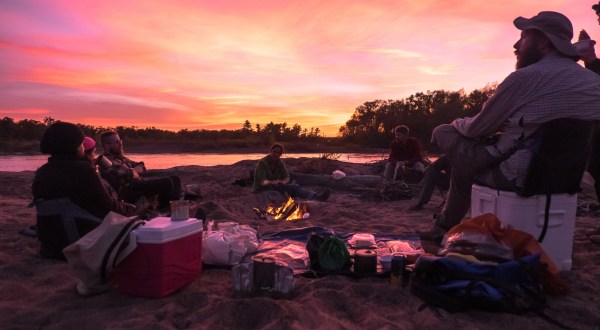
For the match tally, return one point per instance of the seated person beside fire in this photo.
(271, 174)
(406, 154)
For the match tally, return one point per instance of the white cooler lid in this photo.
(162, 229)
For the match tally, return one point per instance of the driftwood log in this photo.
(350, 182)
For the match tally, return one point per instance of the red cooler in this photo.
(167, 258)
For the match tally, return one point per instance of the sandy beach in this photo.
(40, 293)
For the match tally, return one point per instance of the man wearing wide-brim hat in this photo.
(547, 84)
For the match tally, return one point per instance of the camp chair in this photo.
(61, 222)
(561, 149)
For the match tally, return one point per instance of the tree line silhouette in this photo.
(373, 122)
(370, 125)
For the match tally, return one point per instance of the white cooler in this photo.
(527, 214)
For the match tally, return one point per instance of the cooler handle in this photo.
(481, 203)
(556, 218)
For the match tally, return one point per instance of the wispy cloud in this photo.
(189, 63)
(397, 52)
(440, 70)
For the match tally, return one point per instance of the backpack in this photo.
(328, 254)
(457, 285)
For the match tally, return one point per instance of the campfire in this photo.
(289, 211)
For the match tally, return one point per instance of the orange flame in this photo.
(289, 211)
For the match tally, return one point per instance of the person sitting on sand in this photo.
(547, 84)
(125, 175)
(406, 154)
(272, 174)
(436, 175)
(67, 174)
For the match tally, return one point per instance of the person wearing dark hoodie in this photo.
(68, 175)
(272, 174)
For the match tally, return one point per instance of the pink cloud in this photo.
(201, 64)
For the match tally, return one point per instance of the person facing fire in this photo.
(406, 154)
(272, 174)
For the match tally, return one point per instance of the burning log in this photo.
(290, 210)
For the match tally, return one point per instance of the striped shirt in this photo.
(554, 87)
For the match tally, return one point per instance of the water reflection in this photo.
(16, 163)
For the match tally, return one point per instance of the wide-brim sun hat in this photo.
(556, 26)
(61, 138)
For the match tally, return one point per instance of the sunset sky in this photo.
(213, 64)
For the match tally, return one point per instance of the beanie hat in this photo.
(61, 138)
(88, 143)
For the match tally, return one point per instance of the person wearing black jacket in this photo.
(67, 174)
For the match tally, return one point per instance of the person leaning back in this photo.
(547, 84)
(126, 175)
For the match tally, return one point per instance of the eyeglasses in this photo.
(116, 141)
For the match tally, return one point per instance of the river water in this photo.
(16, 163)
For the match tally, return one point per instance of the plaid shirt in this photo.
(120, 174)
(554, 87)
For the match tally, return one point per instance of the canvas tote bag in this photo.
(93, 256)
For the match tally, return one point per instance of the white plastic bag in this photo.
(338, 175)
(229, 245)
(362, 240)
